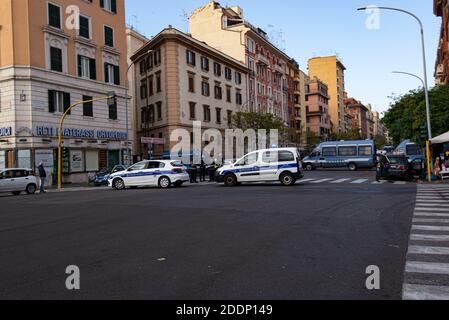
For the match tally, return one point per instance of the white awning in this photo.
(444, 138)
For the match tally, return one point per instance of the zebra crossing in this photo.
(427, 267)
(354, 181)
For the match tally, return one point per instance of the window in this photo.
(217, 69)
(347, 151)
(228, 94)
(108, 36)
(229, 112)
(192, 110)
(113, 112)
(205, 88)
(150, 86)
(218, 114)
(58, 101)
(204, 64)
(248, 160)
(54, 16)
(109, 5)
(158, 83)
(238, 98)
(88, 107)
(55, 59)
(191, 58)
(278, 156)
(330, 152)
(112, 74)
(151, 113)
(87, 68)
(159, 110)
(143, 89)
(157, 57)
(84, 27)
(238, 78)
(228, 73)
(365, 151)
(206, 111)
(191, 83)
(218, 92)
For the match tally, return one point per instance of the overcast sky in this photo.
(306, 28)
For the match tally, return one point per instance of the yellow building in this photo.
(53, 54)
(332, 72)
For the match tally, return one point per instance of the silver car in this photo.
(17, 181)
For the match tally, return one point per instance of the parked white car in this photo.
(158, 173)
(270, 165)
(17, 181)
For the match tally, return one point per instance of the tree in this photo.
(380, 141)
(408, 113)
(353, 134)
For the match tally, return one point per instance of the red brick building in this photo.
(441, 9)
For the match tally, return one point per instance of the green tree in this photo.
(408, 113)
(259, 121)
(353, 134)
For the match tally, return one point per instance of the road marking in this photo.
(428, 250)
(359, 181)
(306, 180)
(427, 267)
(429, 228)
(380, 182)
(427, 204)
(417, 220)
(420, 292)
(431, 209)
(340, 180)
(431, 214)
(432, 201)
(429, 237)
(322, 180)
(400, 182)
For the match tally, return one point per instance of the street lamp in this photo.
(426, 88)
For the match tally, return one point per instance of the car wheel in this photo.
(118, 184)
(31, 189)
(17, 193)
(178, 184)
(352, 167)
(164, 183)
(287, 179)
(230, 180)
(309, 167)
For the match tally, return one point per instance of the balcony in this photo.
(440, 69)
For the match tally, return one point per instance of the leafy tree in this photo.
(353, 134)
(380, 141)
(408, 113)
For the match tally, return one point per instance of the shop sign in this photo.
(6, 132)
(42, 131)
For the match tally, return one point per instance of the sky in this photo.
(310, 28)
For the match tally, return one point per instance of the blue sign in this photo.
(6, 132)
(81, 133)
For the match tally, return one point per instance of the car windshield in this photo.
(413, 150)
(398, 160)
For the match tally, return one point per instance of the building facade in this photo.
(182, 80)
(441, 9)
(300, 124)
(359, 116)
(51, 58)
(317, 109)
(332, 72)
(226, 30)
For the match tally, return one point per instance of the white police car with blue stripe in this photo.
(160, 173)
(269, 165)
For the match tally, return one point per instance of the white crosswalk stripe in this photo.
(426, 279)
(347, 181)
(359, 181)
(340, 180)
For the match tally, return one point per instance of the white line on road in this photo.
(380, 182)
(306, 180)
(322, 180)
(432, 201)
(420, 292)
(359, 181)
(431, 214)
(400, 182)
(431, 209)
(340, 180)
(428, 237)
(418, 220)
(427, 267)
(429, 228)
(428, 250)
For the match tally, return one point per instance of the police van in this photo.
(269, 165)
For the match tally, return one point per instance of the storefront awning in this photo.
(444, 138)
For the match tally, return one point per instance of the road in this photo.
(311, 241)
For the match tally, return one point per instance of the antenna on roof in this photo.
(185, 18)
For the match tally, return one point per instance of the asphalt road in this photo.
(310, 241)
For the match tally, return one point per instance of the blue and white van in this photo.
(411, 150)
(269, 165)
(342, 154)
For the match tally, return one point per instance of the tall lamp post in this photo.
(426, 88)
(427, 142)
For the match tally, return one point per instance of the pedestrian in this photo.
(202, 171)
(42, 176)
(437, 168)
(381, 167)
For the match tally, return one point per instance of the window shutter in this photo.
(66, 101)
(51, 101)
(93, 69)
(102, 3)
(114, 6)
(117, 75)
(106, 73)
(79, 66)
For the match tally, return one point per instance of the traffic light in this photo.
(424, 132)
(112, 99)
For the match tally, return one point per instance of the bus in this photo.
(342, 154)
(411, 150)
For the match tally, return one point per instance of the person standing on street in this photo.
(42, 176)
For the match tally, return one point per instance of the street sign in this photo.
(156, 141)
(112, 99)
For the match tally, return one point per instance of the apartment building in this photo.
(227, 30)
(182, 80)
(300, 80)
(50, 58)
(332, 72)
(317, 108)
(441, 9)
(359, 116)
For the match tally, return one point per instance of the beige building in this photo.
(227, 30)
(182, 80)
(332, 72)
(300, 95)
(50, 58)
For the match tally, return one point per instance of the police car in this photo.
(160, 173)
(270, 165)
